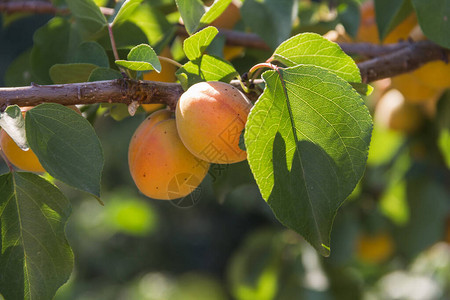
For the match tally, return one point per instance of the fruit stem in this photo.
(256, 70)
(114, 49)
(171, 61)
(243, 86)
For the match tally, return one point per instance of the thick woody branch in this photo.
(109, 91)
(404, 60)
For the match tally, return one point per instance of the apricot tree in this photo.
(291, 102)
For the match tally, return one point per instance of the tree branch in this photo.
(40, 7)
(405, 59)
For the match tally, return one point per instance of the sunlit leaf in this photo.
(195, 45)
(125, 11)
(307, 148)
(141, 58)
(311, 48)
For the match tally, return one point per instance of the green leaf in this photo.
(195, 45)
(19, 71)
(307, 148)
(100, 74)
(52, 44)
(35, 257)
(88, 14)
(443, 126)
(191, 12)
(434, 20)
(242, 140)
(390, 13)
(311, 48)
(91, 53)
(125, 11)
(141, 58)
(214, 11)
(66, 145)
(71, 73)
(207, 68)
(271, 19)
(362, 88)
(350, 16)
(12, 121)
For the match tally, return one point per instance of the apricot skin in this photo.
(161, 166)
(210, 117)
(24, 160)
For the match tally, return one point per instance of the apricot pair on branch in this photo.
(169, 156)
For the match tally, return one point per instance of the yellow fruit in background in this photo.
(24, 160)
(161, 166)
(167, 74)
(368, 31)
(210, 117)
(393, 112)
(375, 248)
(435, 74)
(227, 20)
(414, 89)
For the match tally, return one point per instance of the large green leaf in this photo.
(125, 11)
(307, 140)
(195, 45)
(191, 12)
(71, 73)
(35, 258)
(207, 68)
(271, 19)
(434, 19)
(87, 13)
(390, 13)
(311, 48)
(12, 121)
(66, 145)
(19, 71)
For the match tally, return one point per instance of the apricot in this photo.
(159, 163)
(375, 248)
(393, 112)
(210, 117)
(435, 74)
(167, 74)
(25, 160)
(414, 89)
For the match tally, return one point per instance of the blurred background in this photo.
(390, 240)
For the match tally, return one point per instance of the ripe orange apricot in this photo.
(167, 74)
(161, 166)
(25, 160)
(210, 117)
(375, 248)
(393, 112)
